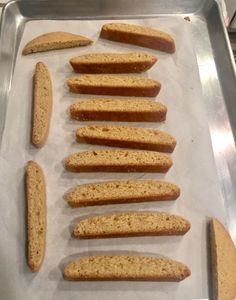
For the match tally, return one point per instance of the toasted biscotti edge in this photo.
(135, 221)
(162, 165)
(112, 66)
(166, 142)
(102, 113)
(112, 89)
(96, 270)
(44, 42)
(163, 41)
(223, 262)
(42, 105)
(36, 215)
(74, 201)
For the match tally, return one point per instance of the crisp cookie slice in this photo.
(118, 161)
(138, 35)
(42, 105)
(125, 267)
(126, 137)
(36, 215)
(125, 110)
(223, 262)
(55, 40)
(134, 62)
(127, 224)
(122, 191)
(120, 85)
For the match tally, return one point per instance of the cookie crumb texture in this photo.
(133, 62)
(126, 110)
(54, 41)
(36, 215)
(118, 161)
(42, 105)
(127, 137)
(138, 35)
(131, 224)
(120, 85)
(123, 267)
(223, 262)
(123, 191)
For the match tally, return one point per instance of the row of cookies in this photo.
(145, 159)
(85, 134)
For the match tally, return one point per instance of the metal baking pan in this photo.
(212, 48)
(214, 56)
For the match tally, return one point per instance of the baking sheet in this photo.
(194, 171)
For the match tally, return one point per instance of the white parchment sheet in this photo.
(193, 170)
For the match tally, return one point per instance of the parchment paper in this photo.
(193, 170)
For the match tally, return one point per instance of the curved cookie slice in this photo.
(36, 215)
(138, 35)
(223, 260)
(134, 62)
(127, 224)
(118, 161)
(119, 85)
(42, 106)
(122, 191)
(126, 137)
(126, 110)
(55, 40)
(125, 267)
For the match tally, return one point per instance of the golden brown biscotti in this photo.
(118, 161)
(122, 191)
(120, 85)
(223, 262)
(36, 215)
(126, 110)
(125, 267)
(138, 35)
(55, 40)
(42, 105)
(128, 224)
(126, 137)
(134, 62)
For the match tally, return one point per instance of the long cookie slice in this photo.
(118, 161)
(134, 62)
(55, 40)
(223, 262)
(126, 137)
(122, 191)
(127, 224)
(126, 110)
(119, 85)
(42, 105)
(138, 35)
(125, 267)
(36, 215)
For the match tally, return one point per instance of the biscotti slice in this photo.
(134, 62)
(36, 215)
(120, 85)
(125, 267)
(122, 191)
(223, 261)
(126, 110)
(127, 137)
(42, 105)
(118, 161)
(55, 40)
(127, 224)
(138, 35)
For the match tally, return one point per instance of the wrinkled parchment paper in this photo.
(193, 170)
